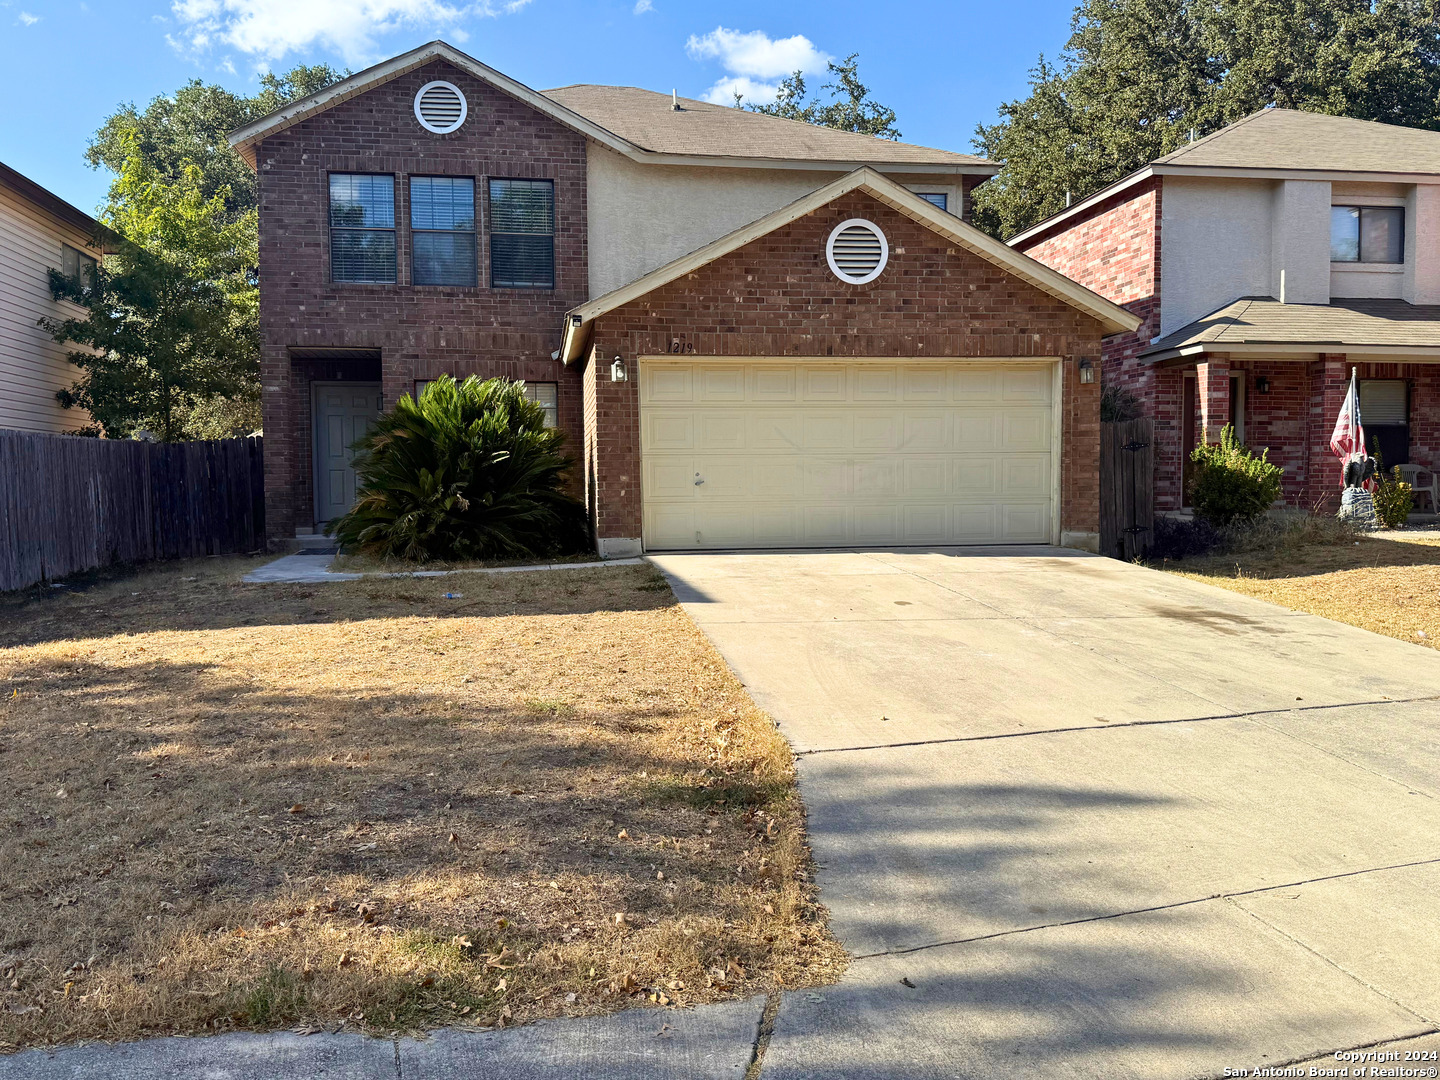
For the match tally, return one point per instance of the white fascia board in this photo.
(1113, 317)
(1294, 351)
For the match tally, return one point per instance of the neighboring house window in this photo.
(937, 198)
(442, 226)
(547, 396)
(77, 266)
(522, 234)
(362, 227)
(1367, 234)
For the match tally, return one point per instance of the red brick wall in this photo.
(421, 331)
(777, 297)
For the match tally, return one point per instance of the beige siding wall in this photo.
(32, 366)
(643, 216)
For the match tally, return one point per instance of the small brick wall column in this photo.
(1212, 397)
(614, 469)
(1329, 382)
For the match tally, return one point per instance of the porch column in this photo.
(1329, 381)
(1212, 394)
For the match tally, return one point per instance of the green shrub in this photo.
(1394, 499)
(468, 471)
(1231, 484)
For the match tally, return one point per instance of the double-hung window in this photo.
(442, 230)
(522, 234)
(362, 227)
(547, 396)
(1367, 234)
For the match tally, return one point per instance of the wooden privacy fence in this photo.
(69, 504)
(1127, 488)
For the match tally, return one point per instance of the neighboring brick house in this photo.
(1266, 261)
(39, 232)
(953, 417)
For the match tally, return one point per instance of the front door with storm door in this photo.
(344, 412)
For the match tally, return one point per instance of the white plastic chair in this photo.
(1430, 487)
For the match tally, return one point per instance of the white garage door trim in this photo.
(751, 387)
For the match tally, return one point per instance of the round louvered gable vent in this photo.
(440, 107)
(857, 251)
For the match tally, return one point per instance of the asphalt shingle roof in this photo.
(1261, 320)
(646, 119)
(1288, 139)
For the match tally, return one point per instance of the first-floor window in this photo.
(547, 396)
(1367, 234)
(362, 227)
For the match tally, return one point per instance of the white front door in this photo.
(773, 454)
(344, 412)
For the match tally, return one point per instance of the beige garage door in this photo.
(811, 453)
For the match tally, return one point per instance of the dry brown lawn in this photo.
(1386, 582)
(365, 805)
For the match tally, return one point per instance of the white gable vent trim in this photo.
(440, 107)
(857, 251)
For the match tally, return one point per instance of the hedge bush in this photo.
(1232, 484)
(466, 471)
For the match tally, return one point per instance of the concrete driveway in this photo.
(1075, 818)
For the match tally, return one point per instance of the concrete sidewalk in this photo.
(1076, 818)
(713, 1042)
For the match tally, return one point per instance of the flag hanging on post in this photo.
(1348, 439)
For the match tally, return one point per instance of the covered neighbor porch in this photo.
(1279, 374)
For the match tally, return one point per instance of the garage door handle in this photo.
(698, 481)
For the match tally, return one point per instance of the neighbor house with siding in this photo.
(39, 232)
(1266, 261)
(756, 332)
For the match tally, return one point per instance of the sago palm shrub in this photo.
(465, 471)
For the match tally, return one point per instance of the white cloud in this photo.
(754, 61)
(642, 6)
(27, 19)
(755, 54)
(272, 28)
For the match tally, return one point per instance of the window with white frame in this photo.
(362, 227)
(1367, 234)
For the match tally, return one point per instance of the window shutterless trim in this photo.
(512, 248)
(473, 233)
(1362, 212)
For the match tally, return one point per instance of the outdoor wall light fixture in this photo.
(617, 371)
(576, 321)
(1087, 370)
(1262, 385)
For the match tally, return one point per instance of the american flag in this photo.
(1348, 439)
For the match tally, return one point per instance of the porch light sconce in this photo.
(1262, 385)
(1087, 370)
(617, 371)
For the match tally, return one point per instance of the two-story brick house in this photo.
(756, 332)
(1267, 260)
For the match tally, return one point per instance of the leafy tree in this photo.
(191, 127)
(1137, 77)
(850, 107)
(466, 471)
(170, 318)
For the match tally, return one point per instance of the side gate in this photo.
(1127, 488)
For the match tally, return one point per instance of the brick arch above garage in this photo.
(776, 297)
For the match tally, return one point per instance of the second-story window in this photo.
(1367, 234)
(77, 266)
(522, 234)
(362, 227)
(442, 227)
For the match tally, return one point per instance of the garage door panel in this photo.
(1024, 429)
(811, 453)
(774, 429)
(666, 384)
(722, 384)
(669, 430)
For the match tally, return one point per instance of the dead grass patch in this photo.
(1387, 582)
(362, 804)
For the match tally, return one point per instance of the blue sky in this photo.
(66, 64)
